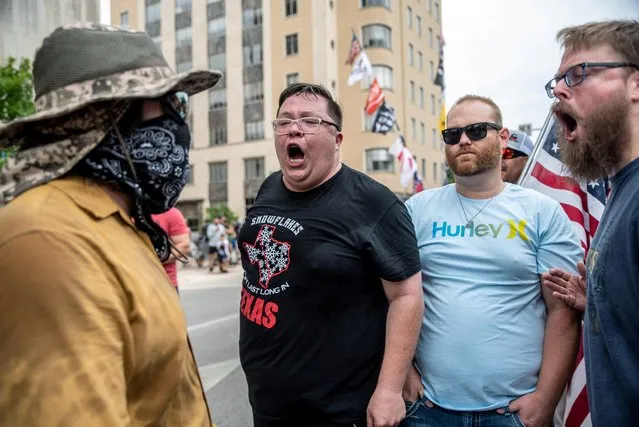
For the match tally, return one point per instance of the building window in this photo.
(153, 18)
(419, 26)
(184, 36)
(253, 92)
(252, 17)
(217, 27)
(290, 7)
(254, 130)
(412, 92)
(421, 97)
(413, 129)
(292, 78)
(377, 35)
(384, 75)
(435, 171)
(124, 19)
(435, 139)
(217, 98)
(411, 55)
(430, 38)
(253, 54)
(420, 58)
(379, 160)
(254, 169)
(373, 3)
(291, 45)
(217, 62)
(432, 70)
(437, 17)
(182, 6)
(424, 168)
(218, 173)
(432, 104)
(190, 178)
(409, 16)
(430, 7)
(218, 134)
(422, 128)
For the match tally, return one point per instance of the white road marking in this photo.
(212, 374)
(212, 322)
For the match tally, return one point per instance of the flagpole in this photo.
(532, 159)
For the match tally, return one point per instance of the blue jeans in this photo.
(418, 414)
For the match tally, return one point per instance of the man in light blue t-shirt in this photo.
(496, 349)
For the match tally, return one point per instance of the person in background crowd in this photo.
(495, 348)
(597, 92)
(515, 156)
(174, 225)
(331, 302)
(214, 232)
(92, 330)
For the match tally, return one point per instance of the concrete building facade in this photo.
(25, 23)
(264, 45)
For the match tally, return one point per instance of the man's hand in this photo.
(385, 409)
(413, 389)
(569, 288)
(532, 409)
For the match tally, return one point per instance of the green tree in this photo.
(221, 210)
(16, 94)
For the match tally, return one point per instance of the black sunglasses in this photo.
(474, 132)
(176, 104)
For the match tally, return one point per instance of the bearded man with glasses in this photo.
(494, 350)
(597, 92)
(331, 302)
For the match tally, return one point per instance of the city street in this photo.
(211, 303)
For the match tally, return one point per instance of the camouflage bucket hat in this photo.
(85, 77)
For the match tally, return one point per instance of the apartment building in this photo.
(264, 45)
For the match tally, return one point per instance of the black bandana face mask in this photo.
(159, 152)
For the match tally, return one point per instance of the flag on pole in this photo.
(361, 68)
(375, 97)
(418, 184)
(384, 119)
(584, 204)
(354, 50)
(407, 164)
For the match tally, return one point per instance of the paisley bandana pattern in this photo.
(159, 152)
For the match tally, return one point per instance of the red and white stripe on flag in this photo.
(584, 204)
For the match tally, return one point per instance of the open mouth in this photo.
(295, 153)
(568, 123)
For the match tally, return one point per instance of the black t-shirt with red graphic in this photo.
(313, 310)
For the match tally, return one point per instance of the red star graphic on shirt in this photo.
(271, 256)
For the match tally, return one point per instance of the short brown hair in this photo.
(622, 36)
(334, 110)
(483, 99)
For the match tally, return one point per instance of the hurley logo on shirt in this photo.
(514, 229)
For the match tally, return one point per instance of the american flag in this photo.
(584, 204)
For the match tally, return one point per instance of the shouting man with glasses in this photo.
(515, 156)
(495, 349)
(331, 302)
(92, 329)
(597, 91)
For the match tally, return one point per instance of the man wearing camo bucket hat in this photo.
(91, 329)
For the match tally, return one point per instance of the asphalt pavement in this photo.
(211, 303)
